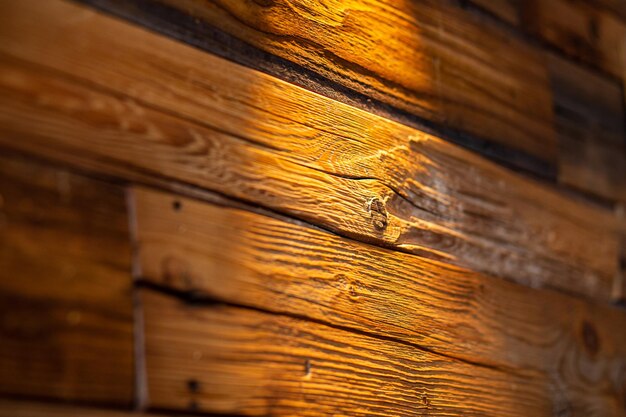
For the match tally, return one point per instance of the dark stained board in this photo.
(66, 329)
(423, 63)
(507, 10)
(139, 104)
(572, 349)
(580, 29)
(17, 408)
(591, 31)
(589, 112)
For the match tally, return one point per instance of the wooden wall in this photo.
(312, 208)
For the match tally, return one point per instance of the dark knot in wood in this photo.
(590, 338)
(378, 213)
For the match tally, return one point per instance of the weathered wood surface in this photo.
(580, 29)
(589, 113)
(592, 31)
(16, 408)
(65, 286)
(145, 105)
(227, 359)
(429, 59)
(575, 350)
(589, 156)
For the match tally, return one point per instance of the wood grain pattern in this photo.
(110, 105)
(227, 359)
(573, 349)
(589, 112)
(429, 59)
(65, 301)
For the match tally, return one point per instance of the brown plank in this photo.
(507, 10)
(429, 59)
(227, 359)
(589, 113)
(119, 105)
(252, 260)
(17, 408)
(65, 301)
(582, 29)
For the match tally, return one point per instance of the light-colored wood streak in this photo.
(240, 361)
(574, 350)
(431, 59)
(65, 286)
(148, 104)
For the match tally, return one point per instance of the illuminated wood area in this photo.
(309, 208)
(276, 145)
(543, 337)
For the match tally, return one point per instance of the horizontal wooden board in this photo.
(246, 362)
(573, 349)
(17, 408)
(589, 113)
(507, 10)
(428, 59)
(143, 105)
(65, 286)
(227, 359)
(580, 29)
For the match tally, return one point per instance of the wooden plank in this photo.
(589, 114)
(507, 10)
(65, 302)
(227, 359)
(242, 258)
(428, 59)
(590, 31)
(15, 408)
(120, 104)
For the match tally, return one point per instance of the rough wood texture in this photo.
(575, 350)
(14, 408)
(228, 359)
(112, 103)
(589, 112)
(65, 281)
(429, 59)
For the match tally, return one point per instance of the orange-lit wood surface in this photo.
(183, 234)
(427, 58)
(250, 136)
(546, 338)
(430, 60)
(239, 361)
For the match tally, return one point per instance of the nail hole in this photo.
(177, 205)
(193, 385)
(590, 338)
